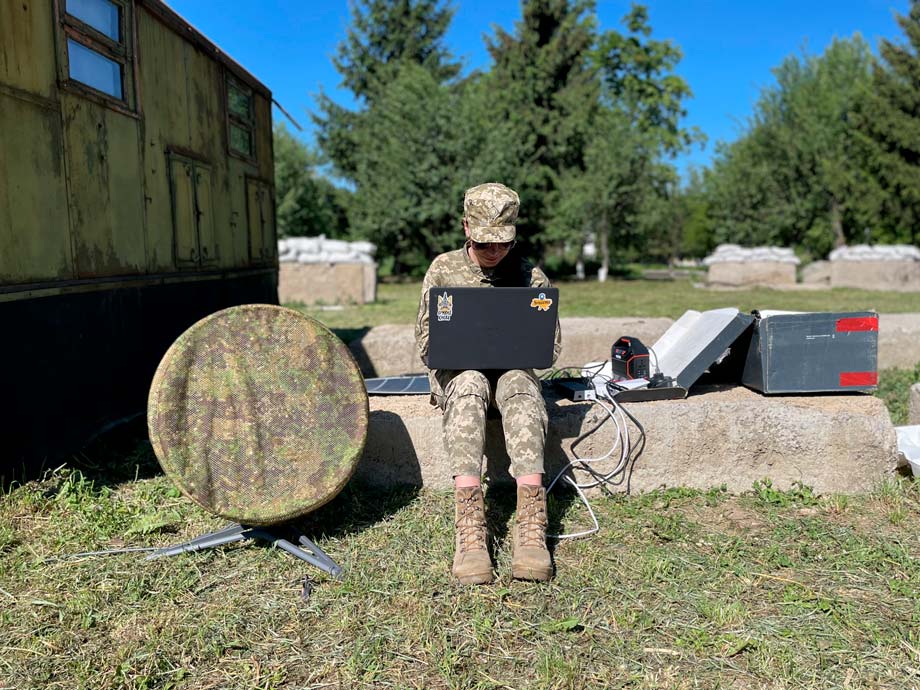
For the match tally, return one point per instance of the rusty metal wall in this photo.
(105, 194)
(34, 242)
(92, 191)
(27, 47)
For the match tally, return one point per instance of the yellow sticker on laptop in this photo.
(541, 302)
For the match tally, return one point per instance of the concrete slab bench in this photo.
(718, 436)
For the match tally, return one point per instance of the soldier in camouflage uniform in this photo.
(486, 260)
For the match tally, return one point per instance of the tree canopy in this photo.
(585, 123)
(888, 123)
(306, 202)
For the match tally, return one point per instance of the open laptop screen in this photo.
(491, 328)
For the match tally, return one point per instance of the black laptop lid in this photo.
(491, 328)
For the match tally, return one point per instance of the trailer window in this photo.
(97, 49)
(240, 119)
(102, 15)
(93, 69)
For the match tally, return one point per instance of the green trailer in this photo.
(136, 196)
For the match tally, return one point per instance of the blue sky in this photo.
(729, 46)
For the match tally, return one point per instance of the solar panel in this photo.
(398, 385)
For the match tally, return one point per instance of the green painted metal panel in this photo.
(27, 47)
(105, 189)
(182, 174)
(34, 237)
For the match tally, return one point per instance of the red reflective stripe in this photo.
(859, 378)
(862, 323)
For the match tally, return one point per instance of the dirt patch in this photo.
(729, 518)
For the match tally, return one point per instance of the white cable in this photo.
(622, 441)
(590, 460)
(657, 367)
(624, 458)
(584, 499)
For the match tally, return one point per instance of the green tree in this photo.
(383, 36)
(798, 176)
(408, 188)
(306, 203)
(622, 193)
(747, 204)
(889, 127)
(696, 228)
(534, 108)
(400, 149)
(637, 73)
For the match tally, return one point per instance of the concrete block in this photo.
(898, 341)
(719, 435)
(898, 276)
(387, 350)
(769, 273)
(913, 410)
(330, 283)
(817, 273)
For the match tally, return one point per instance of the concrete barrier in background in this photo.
(876, 267)
(317, 270)
(718, 436)
(323, 283)
(745, 274)
(389, 350)
(735, 266)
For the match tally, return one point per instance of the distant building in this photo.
(136, 197)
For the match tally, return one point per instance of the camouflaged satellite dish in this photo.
(258, 414)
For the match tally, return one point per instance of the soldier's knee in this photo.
(517, 383)
(468, 384)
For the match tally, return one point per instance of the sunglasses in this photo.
(489, 245)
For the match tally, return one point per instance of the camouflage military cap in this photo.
(258, 413)
(491, 210)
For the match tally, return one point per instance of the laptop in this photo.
(491, 328)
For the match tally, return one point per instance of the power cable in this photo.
(629, 454)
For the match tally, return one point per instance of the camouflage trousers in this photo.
(465, 397)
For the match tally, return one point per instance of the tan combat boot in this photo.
(472, 565)
(530, 558)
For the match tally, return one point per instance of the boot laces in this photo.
(471, 525)
(532, 521)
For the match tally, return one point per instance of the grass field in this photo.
(398, 303)
(680, 589)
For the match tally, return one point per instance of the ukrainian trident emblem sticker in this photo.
(445, 307)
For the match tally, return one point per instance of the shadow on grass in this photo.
(120, 454)
(356, 508)
(124, 454)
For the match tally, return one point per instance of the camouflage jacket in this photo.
(456, 269)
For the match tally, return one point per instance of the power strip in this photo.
(575, 389)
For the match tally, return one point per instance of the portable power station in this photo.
(629, 359)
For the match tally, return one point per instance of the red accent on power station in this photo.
(859, 378)
(862, 323)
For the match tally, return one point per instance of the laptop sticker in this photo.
(445, 307)
(540, 303)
